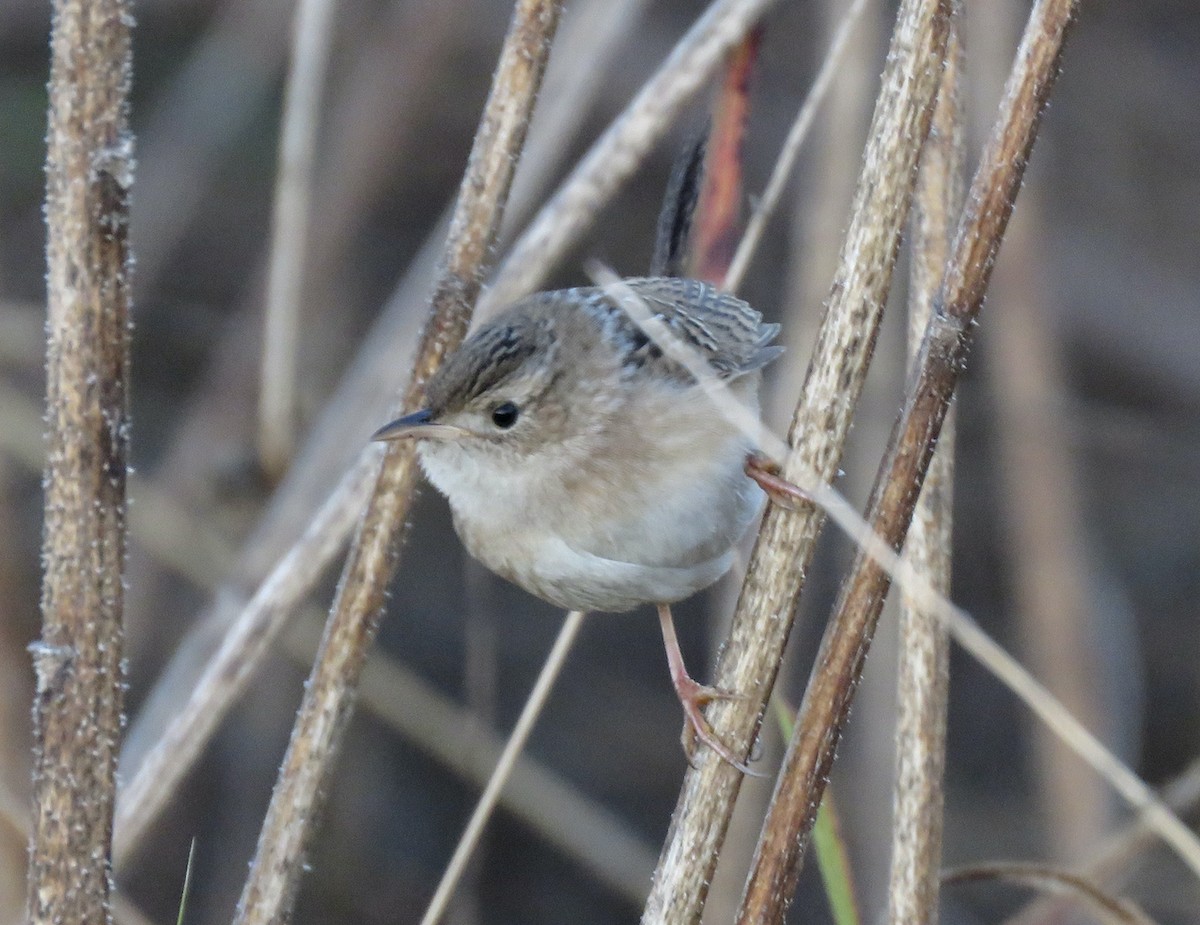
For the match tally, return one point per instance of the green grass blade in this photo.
(187, 884)
(833, 860)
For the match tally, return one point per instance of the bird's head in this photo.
(517, 389)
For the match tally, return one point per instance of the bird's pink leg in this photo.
(778, 489)
(693, 696)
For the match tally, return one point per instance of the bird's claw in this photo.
(782, 492)
(696, 727)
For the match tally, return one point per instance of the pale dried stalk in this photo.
(311, 39)
(291, 572)
(80, 682)
(331, 689)
(924, 651)
(504, 767)
(617, 153)
(818, 431)
(947, 337)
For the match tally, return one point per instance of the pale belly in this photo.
(658, 547)
(548, 567)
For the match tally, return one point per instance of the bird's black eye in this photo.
(505, 415)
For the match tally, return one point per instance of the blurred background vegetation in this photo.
(1077, 523)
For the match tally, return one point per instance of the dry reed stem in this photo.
(819, 430)
(843, 649)
(14, 815)
(505, 765)
(331, 689)
(80, 681)
(312, 36)
(1108, 909)
(286, 568)
(618, 152)
(924, 650)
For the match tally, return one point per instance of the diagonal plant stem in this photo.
(79, 699)
(819, 430)
(331, 689)
(839, 663)
(923, 679)
(530, 712)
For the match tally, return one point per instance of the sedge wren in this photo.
(590, 469)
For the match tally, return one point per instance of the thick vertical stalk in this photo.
(924, 671)
(77, 708)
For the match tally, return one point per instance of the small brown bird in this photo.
(590, 469)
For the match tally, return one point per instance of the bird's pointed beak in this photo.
(417, 426)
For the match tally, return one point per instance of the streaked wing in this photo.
(729, 333)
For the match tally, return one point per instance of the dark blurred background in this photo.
(1077, 522)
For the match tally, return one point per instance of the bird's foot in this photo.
(780, 490)
(693, 696)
